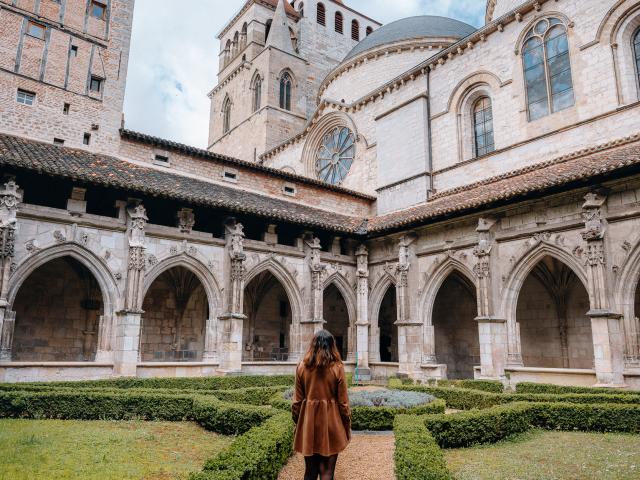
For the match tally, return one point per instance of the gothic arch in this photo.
(524, 267)
(286, 280)
(611, 22)
(626, 288)
(207, 279)
(346, 291)
(540, 15)
(96, 265)
(377, 295)
(434, 284)
(480, 78)
(317, 133)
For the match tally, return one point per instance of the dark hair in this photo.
(322, 351)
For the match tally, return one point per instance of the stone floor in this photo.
(368, 457)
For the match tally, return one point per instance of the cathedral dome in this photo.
(412, 28)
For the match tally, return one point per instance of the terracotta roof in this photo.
(587, 164)
(112, 172)
(199, 152)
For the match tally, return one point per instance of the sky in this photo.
(174, 57)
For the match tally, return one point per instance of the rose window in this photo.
(335, 155)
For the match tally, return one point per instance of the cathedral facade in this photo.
(449, 201)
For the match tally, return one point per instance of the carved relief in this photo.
(59, 236)
(186, 220)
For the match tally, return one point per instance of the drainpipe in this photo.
(429, 140)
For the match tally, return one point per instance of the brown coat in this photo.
(321, 411)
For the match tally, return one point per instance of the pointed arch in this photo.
(346, 291)
(627, 291)
(286, 84)
(523, 267)
(377, 295)
(435, 282)
(227, 105)
(195, 266)
(256, 91)
(96, 266)
(286, 280)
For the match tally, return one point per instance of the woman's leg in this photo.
(328, 467)
(312, 467)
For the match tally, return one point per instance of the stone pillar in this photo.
(606, 325)
(362, 312)
(410, 329)
(210, 353)
(9, 199)
(492, 331)
(129, 321)
(105, 332)
(230, 324)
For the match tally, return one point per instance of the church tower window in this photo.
(226, 116)
(636, 50)
(547, 69)
(369, 31)
(355, 30)
(322, 15)
(339, 23)
(483, 127)
(257, 93)
(335, 155)
(285, 91)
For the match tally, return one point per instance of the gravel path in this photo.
(369, 456)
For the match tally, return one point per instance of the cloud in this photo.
(174, 57)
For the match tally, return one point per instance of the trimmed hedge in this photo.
(259, 454)
(527, 387)
(493, 386)
(373, 418)
(417, 454)
(206, 383)
(211, 413)
(493, 424)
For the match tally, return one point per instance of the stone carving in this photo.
(317, 268)
(153, 260)
(193, 251)
(13, 267)
(9, 199)
(31, 246)
(362, 256)
(592, 215)
(237, 272)
(59, 236)
(107, 255)
(84, 238)
(137, 258)
(595, 254)
(186, 220)
(138, 217)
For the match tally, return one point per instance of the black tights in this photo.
(319, 465)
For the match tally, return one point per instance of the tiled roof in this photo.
(588, 164)
(199, 152)
(621, 157)
(112, 172)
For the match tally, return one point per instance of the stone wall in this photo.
(171, 329)
(55, 321)
(57, 75)
(456, 330)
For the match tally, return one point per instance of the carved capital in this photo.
(7, 241)
(138, 221)
(594, 224)
(137, 258)
(9, 199)
(235, 240)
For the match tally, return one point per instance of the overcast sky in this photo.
(174, 57)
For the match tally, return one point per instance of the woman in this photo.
(321, 408)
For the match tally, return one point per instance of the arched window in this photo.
(322, 15)
(483, 127)
(257, 93)
(243, 35)
(369, 31)
(355, 30)
(636, 50)
(236, 44)
(285, 91)
(547, 68)
(301, 9)
(226, 116)
(339, 22)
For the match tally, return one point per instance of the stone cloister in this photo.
(90, 296)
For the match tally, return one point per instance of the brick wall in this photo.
(48, 68)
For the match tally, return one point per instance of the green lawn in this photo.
(550, 456)
(101, 450)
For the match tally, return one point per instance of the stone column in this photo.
(606, 325)
(410, 329)
(362, 312)
(105, 332)
(492, 331)
(129, 321)
(9, 199)
(210, 353)
(230, 324)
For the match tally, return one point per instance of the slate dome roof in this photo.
(425, 26)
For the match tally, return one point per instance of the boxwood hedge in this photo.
(417, 455)
(259, 454)
(526, 387)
